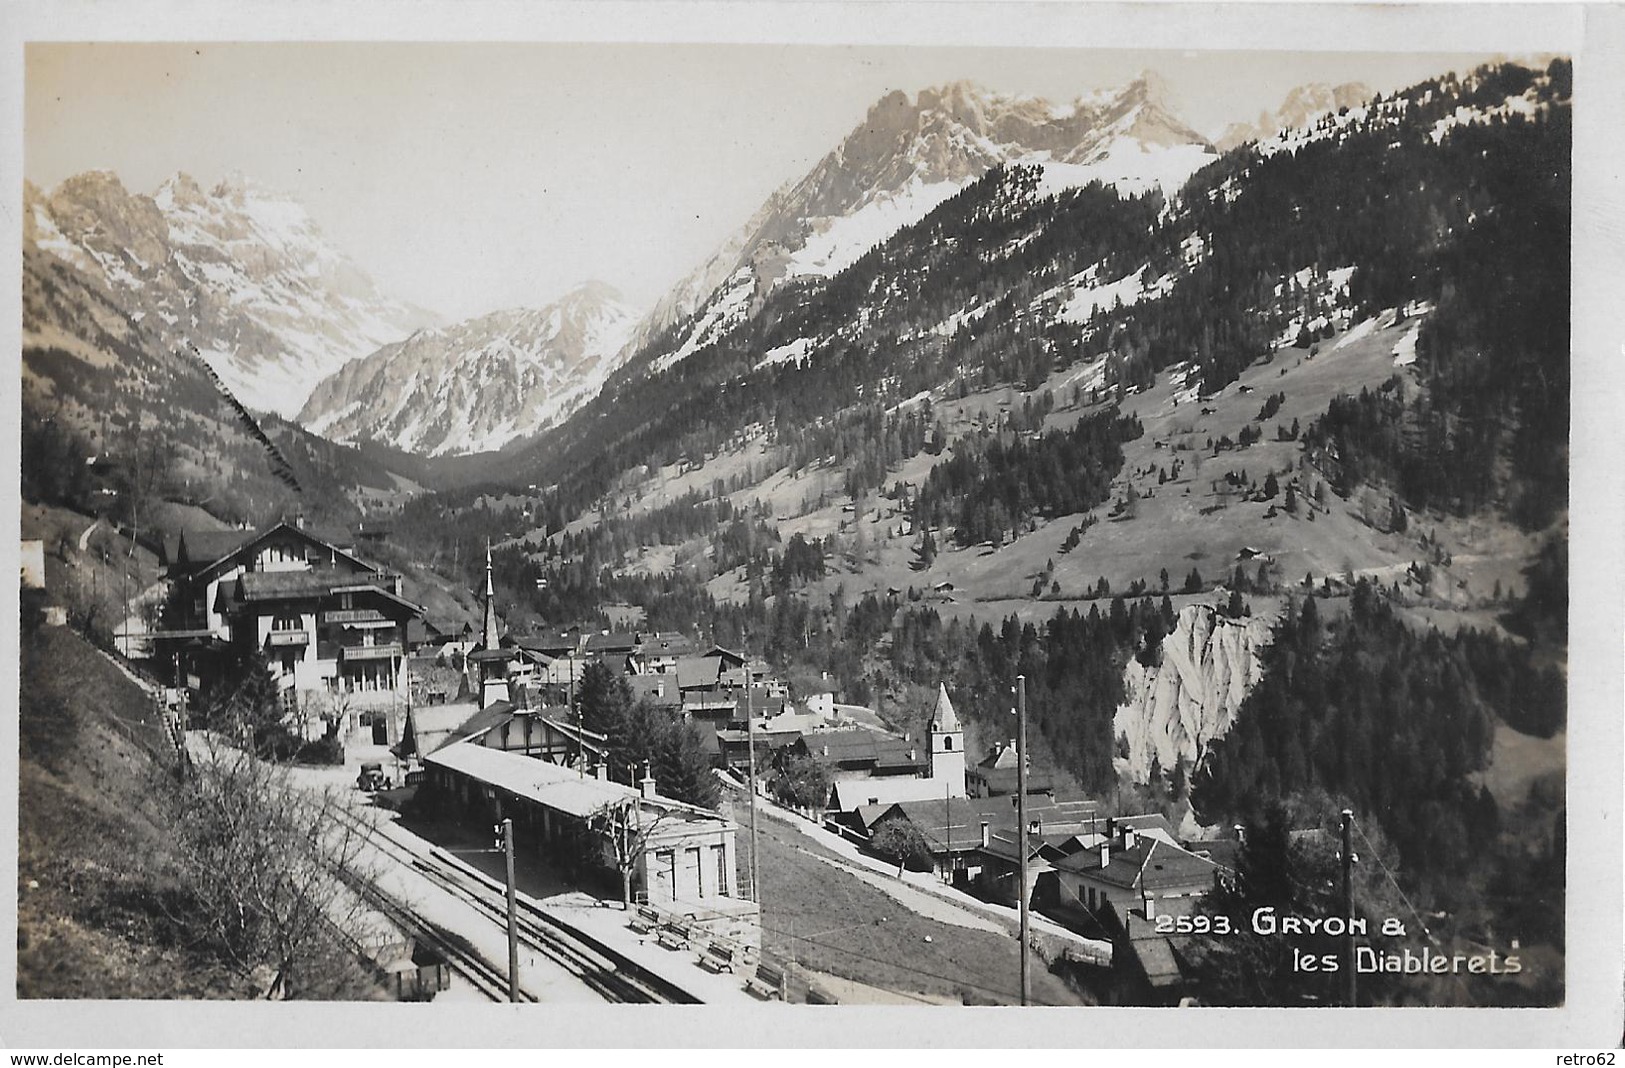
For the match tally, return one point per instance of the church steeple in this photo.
(493, 662)
(489, 639)
(945, 720)
(947, 745)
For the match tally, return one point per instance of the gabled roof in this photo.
(729, 657)
(945, 822)
(420, 631)
(204, 547)
(1058, 815)
(666, 644)
(853, 794)
(998, 770)
(1006, 845)
(1152, 824)
(773, 740)
(860, 747)
(258, 586)
(658, 688)
(613, 642)
(209, 550)
(482, 722)
(1151, 865)
(698, 672)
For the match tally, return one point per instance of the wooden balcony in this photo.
(353, 615)
(370, 652)
(284, 638)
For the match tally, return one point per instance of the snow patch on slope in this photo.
(836, 244)
(1131, 168)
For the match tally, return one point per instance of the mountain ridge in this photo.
(243, 274)
(476, 385)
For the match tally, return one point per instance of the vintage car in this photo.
(372, 777)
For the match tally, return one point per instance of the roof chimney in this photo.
(1150, 908)
(647, 784)
(1241, 834)
(600, 772)
(984, 834)
(1105, 853)
(1129, 838)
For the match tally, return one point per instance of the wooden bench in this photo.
(675, 935)
(767, 983)
(644, 920)
(722, 957)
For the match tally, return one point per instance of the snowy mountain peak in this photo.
(477, 385)
(1302, 105)
(906, 157)
(239, 273)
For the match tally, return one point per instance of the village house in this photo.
(995, 775)
(326, 621)
(871, 767)
(660, 652)
(1130, 870)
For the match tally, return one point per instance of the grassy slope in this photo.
(807, 896)
(1170, 529)
(96, 892)
(91, 860)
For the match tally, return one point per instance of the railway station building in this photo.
(682, 857)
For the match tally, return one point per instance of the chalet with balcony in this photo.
(325, 619)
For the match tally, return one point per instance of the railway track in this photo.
(603, 970)
(464, 959)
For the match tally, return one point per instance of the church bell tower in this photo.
(947, 745)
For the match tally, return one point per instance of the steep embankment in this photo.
(1172, 711)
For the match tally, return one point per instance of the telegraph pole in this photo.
(581, 750)
(513, 924)
(1021, 831)
(1348, 905)
(750, 741)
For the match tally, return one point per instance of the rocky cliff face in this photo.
(1175, 710)
(241, 274)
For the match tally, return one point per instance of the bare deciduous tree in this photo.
(265, 865)
(625, 830)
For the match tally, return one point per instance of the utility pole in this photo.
(1021, 832)
(506, 845)
(1348, 905)
(581, 752)
(750, 741)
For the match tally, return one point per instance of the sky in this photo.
(471, 177)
